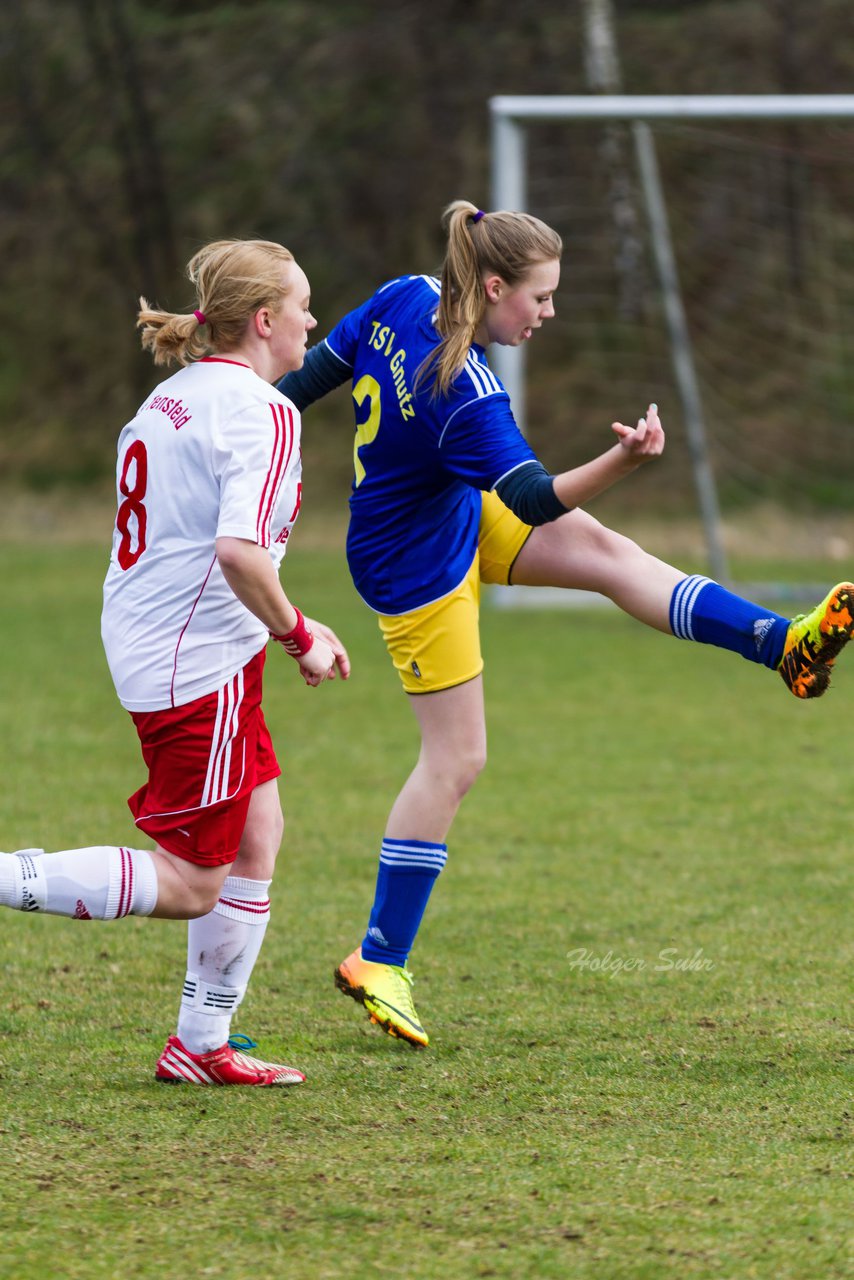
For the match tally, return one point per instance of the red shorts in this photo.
(204, 761)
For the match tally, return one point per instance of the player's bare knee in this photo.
(277, 831)
(477, 763)
(256, 858)
(608, 544)
(467, 767)
(201, 899)
(201, 891)
(610, 558)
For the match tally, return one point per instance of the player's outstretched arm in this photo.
(252, 576)
(637, 445)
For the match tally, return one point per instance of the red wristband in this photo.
(298, 641)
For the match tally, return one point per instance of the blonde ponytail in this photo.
(233, 279)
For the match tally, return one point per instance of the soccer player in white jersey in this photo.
(447, 494)
(208, 481)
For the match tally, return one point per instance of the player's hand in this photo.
(341, 665)
(645, 441)
(318, 664)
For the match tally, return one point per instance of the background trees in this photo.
(130, 133)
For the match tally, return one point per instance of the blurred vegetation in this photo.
(130, 133)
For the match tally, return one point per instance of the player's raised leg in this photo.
(577, 551)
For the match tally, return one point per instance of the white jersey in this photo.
(213, 452)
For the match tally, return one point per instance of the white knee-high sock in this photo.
(222, 948)
(98, 883)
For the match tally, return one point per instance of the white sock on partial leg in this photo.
(11, 879)
(101, 882)
(222, 948)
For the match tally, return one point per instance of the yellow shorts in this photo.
(438, 646)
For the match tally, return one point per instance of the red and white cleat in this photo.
(228, 1065)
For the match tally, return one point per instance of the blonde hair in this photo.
(503, 243)
(232, 278)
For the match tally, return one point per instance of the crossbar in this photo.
(699, 106)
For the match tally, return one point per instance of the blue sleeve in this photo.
(529, 492)
(481, 442)
(321, 372)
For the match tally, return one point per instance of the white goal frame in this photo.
(511, 117)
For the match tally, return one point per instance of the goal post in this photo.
(513, 118)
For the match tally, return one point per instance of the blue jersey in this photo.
(420, 462)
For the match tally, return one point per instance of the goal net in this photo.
(720, 284)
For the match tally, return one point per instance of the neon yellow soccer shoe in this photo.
(814, 641)
(386, 992)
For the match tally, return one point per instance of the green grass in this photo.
(622, 1120)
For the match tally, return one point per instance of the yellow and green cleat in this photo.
(814, 641)
(386, 992)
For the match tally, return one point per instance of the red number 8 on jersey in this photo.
(132, 505)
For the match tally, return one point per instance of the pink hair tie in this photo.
(200, 316)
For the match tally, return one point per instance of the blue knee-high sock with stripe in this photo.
(704, 611)
(407, 872)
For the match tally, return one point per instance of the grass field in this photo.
(636, 973)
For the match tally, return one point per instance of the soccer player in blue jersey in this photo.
(448, 494)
